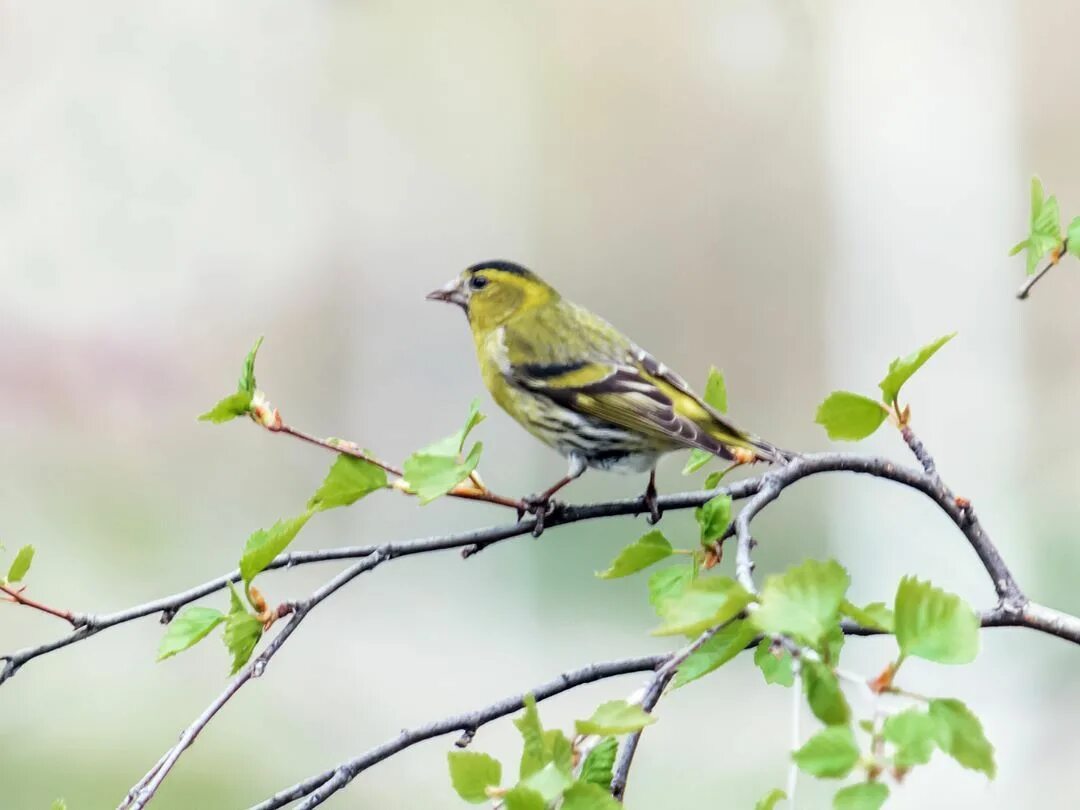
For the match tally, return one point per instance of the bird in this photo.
(580, 386)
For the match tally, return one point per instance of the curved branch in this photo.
(321, 786)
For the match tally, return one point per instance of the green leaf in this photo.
(668, 583)
(712, 481)
(188, 629)
(804, 601)
(559, 749)
(716, 390)
(875, 615)
(901, 369)
(615, 717)
(432, 476)
(534, 754)
(1045, 227)
(714, 517)
(776, 666)
(471, 773)
(242, 631)
(59, 804)
(770, 799)
(714, 653)
(453, 444)
(935, 625)
(697, 460)
(702, 604)
(824, 695)
(1073, 236)
(961, 736)
(231, 407)
(21, 564)
(265, 544)
(832, 645)
(247, 376)
(550, 782)
(716, 396)
(649, 549)
(849, 417)
(599, 763)
(523, 798)
(587, 796)
(830, 754)
(349, 480)
(915, 734)
(864, 796)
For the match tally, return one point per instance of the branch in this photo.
(16, 595)
(1055, 257)
(319, 787)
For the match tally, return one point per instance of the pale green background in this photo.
(794, 191)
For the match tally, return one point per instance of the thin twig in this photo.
(334, 780)
(1055, 258)
(16, 595)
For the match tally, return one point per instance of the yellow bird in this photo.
(582, 387)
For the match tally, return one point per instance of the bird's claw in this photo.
(541, 507)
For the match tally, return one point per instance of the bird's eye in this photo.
(478, 282)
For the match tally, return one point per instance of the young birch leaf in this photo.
(770, 799)
(349, 480)
(901, 369)
(550, 782)
(668, 583)
(533, 755)
(864, 796)
(716, 396)
(559, 749)
(649, 549)
(934, 624)
(471, 773)
(431, 476)
(875, 615)
(1074, 237)
(704, 603)
(804, 601)
(714, 653)
(453, 444)
(713, 517)
(522, 798)
(713, 479)
(915, 734)
(1045, 227)
(823, 693)
(776, 666)
(599, 763)
(59, 804)
(21, 564)
(231, 407)
(961, 736)
(265, 544)
(697, 460)
(830, 754)
(188, 629)
(247, 376)
(242, 631)
(615, 717)
(587, 796)
(849, 417)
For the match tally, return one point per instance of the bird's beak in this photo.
(451, 293)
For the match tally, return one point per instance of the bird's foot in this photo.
(542, 506)
(652, 504)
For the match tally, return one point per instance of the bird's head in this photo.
(491, 293)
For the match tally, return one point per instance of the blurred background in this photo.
(794, 191)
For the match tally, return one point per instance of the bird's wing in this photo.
(628, 395)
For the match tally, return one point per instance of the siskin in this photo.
(582, 387)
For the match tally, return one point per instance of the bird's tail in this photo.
(769, 453)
